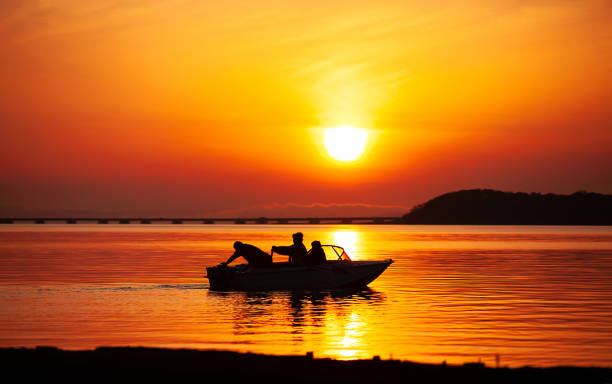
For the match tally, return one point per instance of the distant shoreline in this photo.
(202, 221)
(466, 207)
(226, 366)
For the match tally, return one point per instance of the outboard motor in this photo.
(220, 276)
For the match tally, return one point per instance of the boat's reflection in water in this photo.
(333, 323)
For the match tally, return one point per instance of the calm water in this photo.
(534, 295)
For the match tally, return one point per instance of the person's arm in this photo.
(231, 258)
(284, 250)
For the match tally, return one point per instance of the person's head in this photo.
(237, 245)
(298, 237)
(316, 244)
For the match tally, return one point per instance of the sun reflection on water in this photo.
(348, 240)
(353, 334)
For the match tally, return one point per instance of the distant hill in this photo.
(487, 206)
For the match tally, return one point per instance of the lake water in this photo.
(531, 295)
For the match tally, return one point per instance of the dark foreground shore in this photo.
(223, 367)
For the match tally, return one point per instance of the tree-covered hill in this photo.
(487, 206)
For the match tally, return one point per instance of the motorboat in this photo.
(338, 272)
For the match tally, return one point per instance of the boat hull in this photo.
(282, 276)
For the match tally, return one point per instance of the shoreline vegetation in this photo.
(492, 207)
(225, 366)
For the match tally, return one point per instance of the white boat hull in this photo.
(330, 275)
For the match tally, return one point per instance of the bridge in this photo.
(214, 220)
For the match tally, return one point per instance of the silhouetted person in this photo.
(296, 251)
(316, 255)
(253, 255)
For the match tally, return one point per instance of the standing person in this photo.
(296, 251)
(253, 255)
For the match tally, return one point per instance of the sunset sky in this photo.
(194, 108)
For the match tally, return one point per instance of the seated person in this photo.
(253, 255)
(297, 251)
(316, 255)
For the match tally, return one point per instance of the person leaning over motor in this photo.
(253, 255)
(296, 251)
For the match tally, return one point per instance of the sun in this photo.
(345, 143)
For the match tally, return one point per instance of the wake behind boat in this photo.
(338, 272)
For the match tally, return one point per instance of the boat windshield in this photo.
(334, 252)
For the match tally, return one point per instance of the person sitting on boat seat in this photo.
(296, 251)
(253, 255)
(316, 255)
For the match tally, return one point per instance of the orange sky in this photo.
(218, 108)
